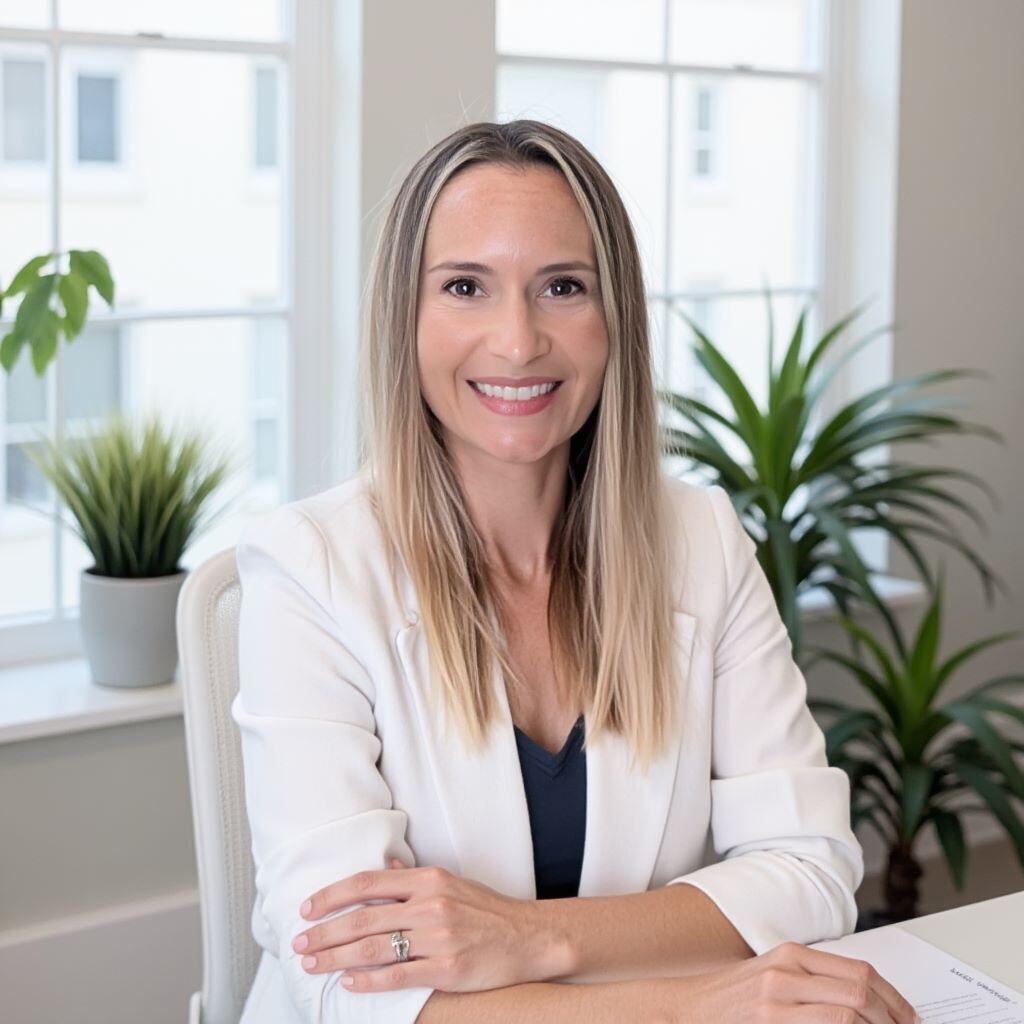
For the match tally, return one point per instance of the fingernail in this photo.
(348, 980)
(306, 907)
(300, 943)
(309, 961)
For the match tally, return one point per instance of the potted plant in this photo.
(915, 763)
(804, 491)
(37, 324)
(137, 498)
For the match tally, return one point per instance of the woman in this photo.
(500, 688)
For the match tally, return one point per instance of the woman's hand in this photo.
(790, 984)
(463, 936)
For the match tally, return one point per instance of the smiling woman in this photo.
(514, 654)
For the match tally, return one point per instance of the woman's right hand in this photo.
(790, 984)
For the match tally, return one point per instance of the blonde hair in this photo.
(610, 607)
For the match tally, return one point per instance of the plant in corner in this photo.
(804, 491)
(138, 495)
(916, 764)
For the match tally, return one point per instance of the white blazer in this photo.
(345, 766)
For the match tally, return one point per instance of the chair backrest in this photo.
(207, 629)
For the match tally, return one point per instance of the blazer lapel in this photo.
(482, 794)
(484, 802)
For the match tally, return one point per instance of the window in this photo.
(705, 157)
(98, 138)
(23, 90)
(155, 141)
(266, 116)
(709, 117)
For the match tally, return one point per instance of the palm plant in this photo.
(804, 491)
(914, 763)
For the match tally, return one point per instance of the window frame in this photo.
(305, 65)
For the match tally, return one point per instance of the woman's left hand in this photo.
(463, 936)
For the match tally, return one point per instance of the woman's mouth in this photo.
(538, 397)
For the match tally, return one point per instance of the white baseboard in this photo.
(138, 961)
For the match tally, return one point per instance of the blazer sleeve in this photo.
(319, 809)
(780, 816)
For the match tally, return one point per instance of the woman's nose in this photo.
(516, 335)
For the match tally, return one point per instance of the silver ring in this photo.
(400, 946)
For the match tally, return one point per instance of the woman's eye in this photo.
(557, 283)
(460, 281)
(568, 281)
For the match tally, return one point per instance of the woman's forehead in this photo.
(508, 211)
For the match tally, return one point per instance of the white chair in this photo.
(207, 627)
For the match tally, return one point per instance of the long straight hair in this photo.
(610, 605)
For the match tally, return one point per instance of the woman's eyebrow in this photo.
(482, 268)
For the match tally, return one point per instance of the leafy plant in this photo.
(37, 323)
(802, 491)
(137, 496)
(914, 763)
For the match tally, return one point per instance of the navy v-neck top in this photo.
(556, 796)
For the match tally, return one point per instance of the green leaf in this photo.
(951, 838)
(27, 276)
(967, 713)
(948, 667)
(10, 348)
(874, 687)
(44, 342)
(997, 801)
(94, 269)
(917, 786)
(74, 294)
(921, 662)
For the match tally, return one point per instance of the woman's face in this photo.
(510, 320)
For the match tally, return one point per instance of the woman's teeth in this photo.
(514, 394)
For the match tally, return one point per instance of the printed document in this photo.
(943, 989)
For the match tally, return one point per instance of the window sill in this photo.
(816, 605)
(49, 698)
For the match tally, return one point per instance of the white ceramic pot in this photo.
(128, 627)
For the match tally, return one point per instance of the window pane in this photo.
(26, 529)
(25, 13)
(753, 216)
(255, 19)
(581, 28)
(620, 117)
(24, 109)
(266, 117)
(704, 109)
(98, 118)
(26, 393)
(764, 33)
(184, 225)
(92, 371)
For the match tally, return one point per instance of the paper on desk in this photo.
(941, 987)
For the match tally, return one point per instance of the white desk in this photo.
(987, 935)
